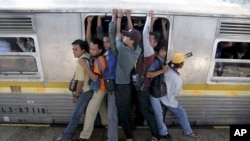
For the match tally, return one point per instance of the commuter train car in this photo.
(37, 63)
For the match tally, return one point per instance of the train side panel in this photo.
(196, 35)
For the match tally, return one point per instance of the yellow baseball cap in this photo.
(178, 58)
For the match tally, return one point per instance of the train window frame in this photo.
(19, 76)
(226, 80)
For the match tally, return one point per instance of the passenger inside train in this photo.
(17, 63)
(238, 51)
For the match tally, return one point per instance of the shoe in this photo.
(155, 139)
(168, 136)
(60, 139)
(82, 139)
(193, 135)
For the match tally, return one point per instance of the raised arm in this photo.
(152, 23)
(164, 29)
(99, 28)
(118, 24)
(88, 30)
(148, 49)
(112, 26)
(129, 20)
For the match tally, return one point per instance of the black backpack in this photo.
(138, 78)
(158, 87)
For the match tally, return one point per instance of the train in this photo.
(34, 83)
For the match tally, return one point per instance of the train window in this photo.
(17, 44)
(160, 25)
(19, 58)
(232, 61)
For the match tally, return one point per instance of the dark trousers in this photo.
(144, 105)
(124, 108)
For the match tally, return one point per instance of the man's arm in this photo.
(148, 50)
(152, 74)
(112, 26)
(164, 29)
(88, 30)
(118, 24)
(91, 74)
(129, 21)
(99, 28)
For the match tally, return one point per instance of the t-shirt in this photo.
(126, 60)
(174, 86)
(81, 74)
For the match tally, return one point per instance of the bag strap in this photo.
(85, 58)
(99, 65)
(165, 59)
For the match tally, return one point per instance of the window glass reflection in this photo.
(236, 64)
(232, 69)
(10, 64)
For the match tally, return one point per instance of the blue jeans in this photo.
(112, 118)
(79, 109)
(181, 115)
(158, 111)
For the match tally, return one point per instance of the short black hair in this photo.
(83, 44)
(99, 43)
(156, 35)
(162, 45)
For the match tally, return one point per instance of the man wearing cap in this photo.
(174, 84)
(150, 41)
(128, 53)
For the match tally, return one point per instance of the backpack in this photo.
(138, 78)
(158, 87)
(95, 85)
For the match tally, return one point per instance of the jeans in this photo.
(143, 102)
(112, 118)
(181, 115)
(157, 107)
(124, 108)
(79, 109)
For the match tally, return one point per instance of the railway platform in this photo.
(10, 132)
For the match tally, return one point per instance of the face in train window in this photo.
(236, 59)
(17, 44)
(233, 50)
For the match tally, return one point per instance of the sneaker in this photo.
(82, 139)
(155, 139)
(60, 139)
(168, 136)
